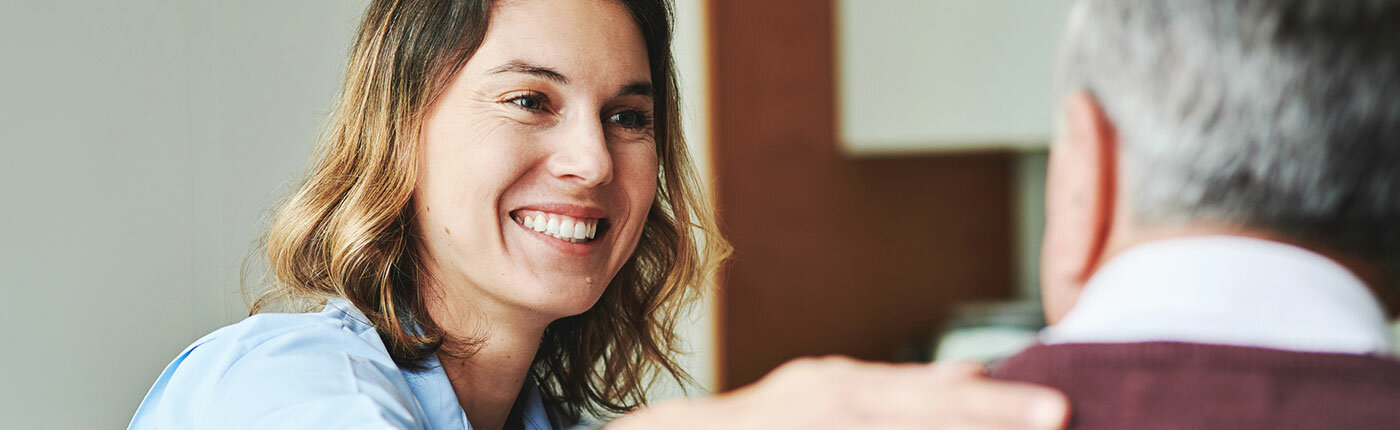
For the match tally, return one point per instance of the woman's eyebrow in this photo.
(639, 88)
(518, 66)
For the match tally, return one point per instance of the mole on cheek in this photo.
(446, 230)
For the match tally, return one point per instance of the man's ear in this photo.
(1079, 202)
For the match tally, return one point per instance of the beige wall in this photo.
(141, 143)
(692, 63)
(923, 76)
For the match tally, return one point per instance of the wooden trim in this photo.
(833, 255)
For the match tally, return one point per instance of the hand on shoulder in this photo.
(842, 393)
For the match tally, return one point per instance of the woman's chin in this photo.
(563, 296)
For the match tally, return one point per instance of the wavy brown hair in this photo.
(348, 231)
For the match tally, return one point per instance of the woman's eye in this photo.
(528, 102)
(631, 119)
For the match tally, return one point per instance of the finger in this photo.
(899, 396)
(944, 369)
(991, 402)
(956, 369)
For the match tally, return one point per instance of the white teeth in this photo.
(580, 231)
(559, 226)
(566, 229)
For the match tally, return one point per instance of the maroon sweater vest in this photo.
(1166, 385)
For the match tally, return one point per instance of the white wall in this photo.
(692, 66)
(938, 75)
(140, 143)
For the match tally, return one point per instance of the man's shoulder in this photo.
(1185, 385)
(1180, 356)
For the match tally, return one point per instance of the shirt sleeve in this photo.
(275, 374)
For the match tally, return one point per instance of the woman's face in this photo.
(538, 162)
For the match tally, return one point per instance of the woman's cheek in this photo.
(638, 169)
(642, 177)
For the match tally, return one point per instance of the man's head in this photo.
(1276, 118)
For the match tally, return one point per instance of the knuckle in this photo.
(836, 363)
(801, 364)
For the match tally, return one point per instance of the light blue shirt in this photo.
(314, 370)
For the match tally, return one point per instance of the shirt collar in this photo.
(434, 392)
(1227, 290)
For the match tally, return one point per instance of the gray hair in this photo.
(1281, 115)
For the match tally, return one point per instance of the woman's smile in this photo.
(576, 230)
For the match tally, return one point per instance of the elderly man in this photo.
(1222, 247)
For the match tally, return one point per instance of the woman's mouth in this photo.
(562, 227)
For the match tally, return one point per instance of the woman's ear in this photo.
(1079, 202)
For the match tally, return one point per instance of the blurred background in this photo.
(878, 164)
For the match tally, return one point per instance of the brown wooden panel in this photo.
(833, 255)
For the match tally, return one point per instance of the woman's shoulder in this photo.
(317, 367)
(286, 340)
(338, 324)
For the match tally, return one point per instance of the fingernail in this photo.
(1049, 412)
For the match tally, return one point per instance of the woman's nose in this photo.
(581, 155)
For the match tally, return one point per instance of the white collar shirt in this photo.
(1227, 290)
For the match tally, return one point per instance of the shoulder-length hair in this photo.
(348, 231)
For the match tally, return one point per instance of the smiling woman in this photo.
(499, 229)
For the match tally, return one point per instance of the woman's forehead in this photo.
(584, 41)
